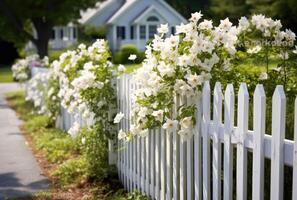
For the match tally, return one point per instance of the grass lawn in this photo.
(5, 74)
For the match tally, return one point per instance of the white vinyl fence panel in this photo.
(164, 166)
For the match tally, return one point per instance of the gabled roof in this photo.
(145, 12)
(100, 8)
(122, 10)
(124, 7)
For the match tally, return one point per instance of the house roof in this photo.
(101, 7)
(145, 12)
(122, 10)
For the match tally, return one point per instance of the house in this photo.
(126, 22)
(132, 21)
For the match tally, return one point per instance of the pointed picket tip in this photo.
(243, 90)
(218, 86)
(259, 91)
(206, 86)
(229, 90)
(279, 93)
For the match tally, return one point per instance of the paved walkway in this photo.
(20, 174)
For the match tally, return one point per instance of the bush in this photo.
(121, 57)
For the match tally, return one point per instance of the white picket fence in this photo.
(166, 167)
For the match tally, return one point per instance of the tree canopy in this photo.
(19, 19)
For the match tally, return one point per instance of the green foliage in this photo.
(121, 57)
(72, 171)
(89, 33)
(95, 148)
(137, 195)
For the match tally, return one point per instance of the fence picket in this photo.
(152, 163)
(168, 165)
(197, 152)
(206, 142)
(277, 150)
(258, 151)
(175, 159)
(294, 196)
(228, 149)
(163, 165)
(216, 163)
(157, 163)
(242, 123)
(147, 169)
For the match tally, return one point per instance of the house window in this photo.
(142, 32)
(152, 19)
(53, 34)
(121, 32)
(74, 32)
(172, 30)
(132, 32)
(152, 31)
(62, 33)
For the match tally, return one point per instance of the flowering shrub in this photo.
(37, 91)
(86, 84)
(21, 69)
(176, 66)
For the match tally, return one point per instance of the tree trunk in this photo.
(43, 29)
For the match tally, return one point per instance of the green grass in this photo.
(5, 74)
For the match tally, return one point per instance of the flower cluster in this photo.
(37, 92)
(175, 68)
(86, 85)
(263, 37)
(21, 69)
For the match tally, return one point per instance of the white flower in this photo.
(295, 50)
(122, 135)
(118, 118)
(121, 68)
(158, 115)
(185, 134)
(195, 17)
(186, 123)
(83, 140)
(163, 29)
(144, 133)
(263, 76)
(254, 50)
(74, 130)
(132, 57)
(170, 125)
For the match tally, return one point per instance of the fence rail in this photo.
(166, 167)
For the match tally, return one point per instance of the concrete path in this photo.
(20, 174)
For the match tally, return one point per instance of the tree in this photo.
(20, 19)
(186, 7)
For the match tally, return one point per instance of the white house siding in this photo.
(126, 17)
